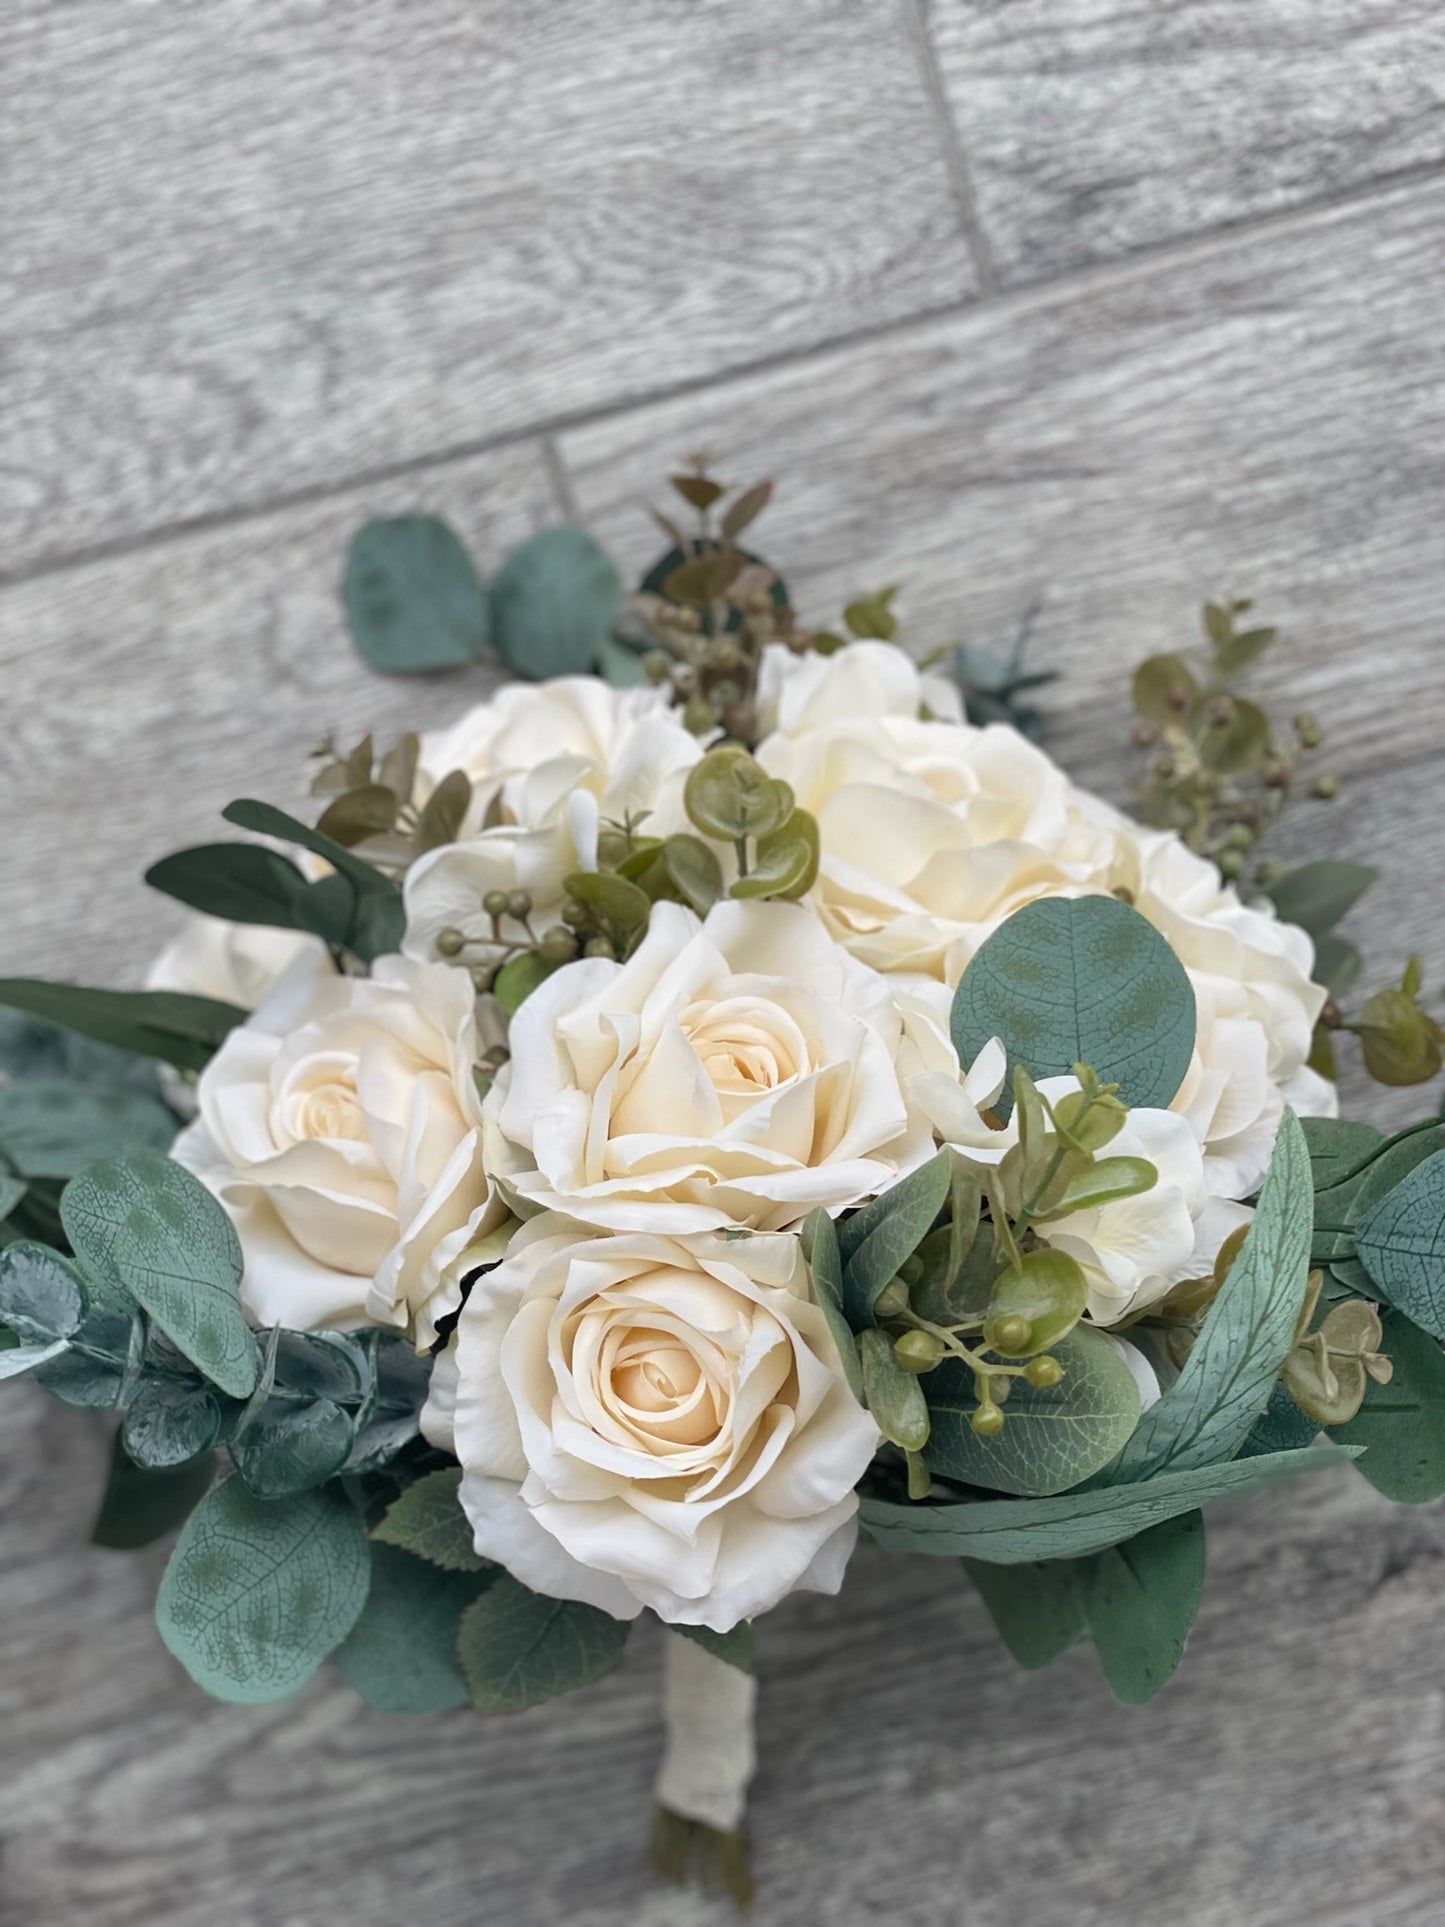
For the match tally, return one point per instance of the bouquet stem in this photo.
(697, 1833)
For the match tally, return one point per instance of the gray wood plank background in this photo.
(1107, 307)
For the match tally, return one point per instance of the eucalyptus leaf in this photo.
(91, 1371)
(291, 1446)
(412, 598)
(168, 1423)
(178, 1256)
(875, 1241)
(694, 870)
(16, 1360)
(518, 1647)
(94, 1206)
(1072, 1524)
(401, 1655)
(12, 1190)
(257, 1594)
(821, 1242)
(1338, 1147)
(1318, 894)
(1052, 1439)
(1281, 1427)
(52, 1130)
(893, 1395)
(553, 601)
(1225, 1383)
(1401, 1243)
(427, 1521)
(1140, 1599)
(1038, 1610)
(1069, 980)
(176, 1028)
(140, 1505)
(1402, 1425)
(374, 920)
(240, 882)
(41, 1296)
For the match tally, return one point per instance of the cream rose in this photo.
(237, 963)
(550, 764)
(932, 834)
(649, 1421)
(341, 1129)
(734, 1072)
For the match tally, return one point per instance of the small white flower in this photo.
(737, 1071)
(236, 963)
(651, 1421)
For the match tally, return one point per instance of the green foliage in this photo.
(401, 1655)
(1046, 1290)
(517, 1648)
(1401, 1243)
(1281, 1427)
(140, 1506)
(41, 1296)
(95, 1368)
(1210, 1409)
(1343, 1208)
(735, 1647)
(358, 908)
(1073, 1524)
(412, 598)
(893, 1395)
(1338, 1148)
(1081, 980)
(1401, 1424)
(167, 1024)
(1038, 1609)
(1318, 894)
(256, 1595)
(875, 1241)
(518, 978)
(242, 882)
(553, 601)
(1053, 1438)
(93, 1208)
(53, 1130)
(427, 1521)
(1140, 1599)
(169, 1422)
(290, 1445)
(178, 1256)
(820, 1241)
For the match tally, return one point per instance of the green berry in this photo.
(519, 904)
(1043, 1372)
(450, 942)
(495, 903)
(987, 1421)
(917, 1351)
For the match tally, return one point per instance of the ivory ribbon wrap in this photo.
(708, 1707)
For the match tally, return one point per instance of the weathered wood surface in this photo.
(1095, 128)
(253, 250)
(256, 257)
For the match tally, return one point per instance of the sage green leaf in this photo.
(785, 868)
(553, 601)
(694, 871)
(1350, 1202)
(1105, 1181)
(518, 978)
(1317, 895)
(401, 1655)
(41, 1295)
(1140, 1599)
(18, 1359)
(242, 882)
(1232, 743)
(1038, 1610)
(1070, 980)
(412, 598)
(875, 1241)
(95, 1205)
(1338, 1148)
(820, 1239)
(322, 1364)
(140, 1506)
(178, 1029)
(290, 1446)
(893, 1395)
(168, 1423)
(444, 812)
(368, 810)
(1052, 1439)
(621, 903)
(1281, 1427)
(1048, 1291)
(1402, 1425)
(256, 1595)
(620, 664)
(427, 1520)
(12, 1190)
(1072, 1524)
(1402, 1245)
(92, 1372)
(1158, 684)
(1338, 964)
(1209, 1410)
(178, 1256)
(517, 1648)
(374, 919)
(50, 1129)
(735, 1647)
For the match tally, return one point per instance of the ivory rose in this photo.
(737, 1071)
(932, 834)
(652, 1421)
(550, 764)
(341, 1129)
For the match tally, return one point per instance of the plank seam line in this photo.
(950, 138)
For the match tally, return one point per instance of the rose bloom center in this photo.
(318, 1100)
(746, 1047)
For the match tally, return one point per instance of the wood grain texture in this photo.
(144, 692)
(1094, 128)
(1290, 1773)
(1266, 418)
(255, 249)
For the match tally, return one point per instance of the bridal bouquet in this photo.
(711, 1103)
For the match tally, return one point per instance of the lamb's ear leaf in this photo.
(1081, 980)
